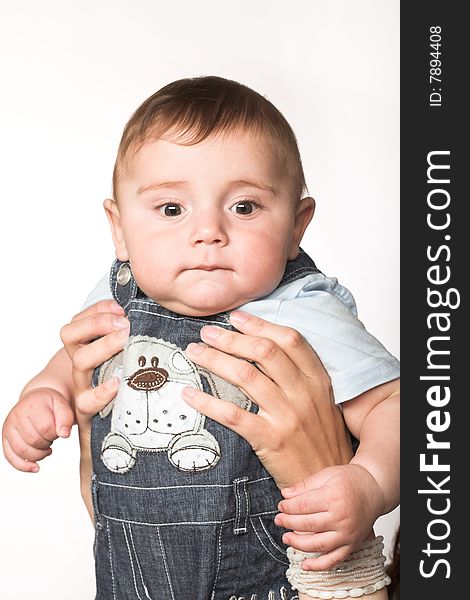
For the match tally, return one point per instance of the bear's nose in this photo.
(148, 379)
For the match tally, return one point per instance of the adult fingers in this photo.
(93, 400)
(87, 357)
(86, 329)
(290, 340)
(265, 352)
(103, 306)
(226, 413)
(237, 371)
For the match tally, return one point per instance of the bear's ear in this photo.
(178, 363)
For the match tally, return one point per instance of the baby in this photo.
(207, 216)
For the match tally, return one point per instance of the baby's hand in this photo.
(41, 416)
(331, 512)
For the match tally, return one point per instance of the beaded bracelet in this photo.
(361, 573)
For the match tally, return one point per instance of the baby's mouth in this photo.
(207, 268)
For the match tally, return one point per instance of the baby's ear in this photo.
(114, 217)
(304, 212)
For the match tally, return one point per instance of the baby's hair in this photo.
(193, 109)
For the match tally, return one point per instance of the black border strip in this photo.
(434, 568)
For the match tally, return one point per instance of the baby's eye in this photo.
(246, 207)
(170, 209)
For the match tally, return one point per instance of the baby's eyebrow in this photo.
(231, 184)
(253, 183)
(159, 184)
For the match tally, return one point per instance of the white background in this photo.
(72, 73)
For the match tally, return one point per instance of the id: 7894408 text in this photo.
(435, 66)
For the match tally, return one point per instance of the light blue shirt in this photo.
(325, 313)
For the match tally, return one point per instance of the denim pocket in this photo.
(269, 536)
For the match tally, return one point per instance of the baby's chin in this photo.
(207, 300)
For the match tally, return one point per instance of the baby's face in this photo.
(207, 227)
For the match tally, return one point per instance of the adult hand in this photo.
(92, 337)
(298, 429)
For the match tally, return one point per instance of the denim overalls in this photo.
(183, 507)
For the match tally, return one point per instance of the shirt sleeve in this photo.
(324, 312)
(101, 291)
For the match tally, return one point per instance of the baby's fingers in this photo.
(325, 543)
(26, 459)
(327, 560)
(312, 523)
(63, 417)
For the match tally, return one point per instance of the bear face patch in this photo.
(149, 413)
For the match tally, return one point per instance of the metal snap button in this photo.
(124, 275)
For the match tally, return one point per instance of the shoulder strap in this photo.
(299, 267)
(122, 283)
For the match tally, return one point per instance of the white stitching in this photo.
(268, 512)
(237, 528)
(149, 312)
(308, 271)
(138, 564)
(174, 487)
(111, 562)
(131, 561)
(247, 504)
(267, 550)
(169, 524)
(271, 539)
(165, 564)
(219, 557)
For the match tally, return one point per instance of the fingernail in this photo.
(120, 322)
(35, 469)
(123, 334)
(112, 383)
(194, 349)
(189, 392)
(64, 432)
(238, 316)
(115, 307)
(210, 333)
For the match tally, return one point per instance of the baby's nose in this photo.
(209, 230)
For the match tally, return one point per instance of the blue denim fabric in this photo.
(183, 507)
